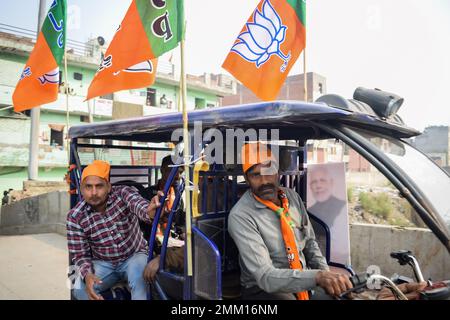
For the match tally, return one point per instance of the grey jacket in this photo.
(262, 256)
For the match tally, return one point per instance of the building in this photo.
(206, 91)
(324, 151)
(318, 151)
(435, 142)
(293, 89)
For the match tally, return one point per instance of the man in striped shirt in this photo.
(104, 239)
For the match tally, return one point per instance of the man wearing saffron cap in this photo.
(278, 253)
(104, 239)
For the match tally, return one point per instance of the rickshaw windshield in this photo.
(427, 175)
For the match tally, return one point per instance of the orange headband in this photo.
(97, 168)
(255, 153)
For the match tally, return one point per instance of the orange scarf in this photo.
(168, 207)
(287, 226)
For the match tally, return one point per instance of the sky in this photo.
(400, 46)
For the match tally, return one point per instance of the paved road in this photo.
(33, 267)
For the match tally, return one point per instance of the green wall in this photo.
(14, 180)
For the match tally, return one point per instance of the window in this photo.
(56, 137)
(108, 96)
(77, 76)
(151, 97)
(320, 88)
(210, 105)
(371, 197)
(428, 176)
(84, 118)
(200, 103)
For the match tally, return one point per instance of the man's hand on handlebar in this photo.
(411, 291)
(333, 283)
(155, 203)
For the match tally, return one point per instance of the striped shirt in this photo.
(112, 236)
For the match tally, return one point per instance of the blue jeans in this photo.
(131, 270)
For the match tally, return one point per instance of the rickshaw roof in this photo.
(283, 115)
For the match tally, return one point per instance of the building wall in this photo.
(207, 97)
(324, 151)
(435, 142)
(371, 245)
(358, 163)
(15, 137)
(13, 177)
(11, 67)
(293, 89)
(14, 149)
(139, 96)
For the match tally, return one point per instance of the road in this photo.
(33, 267)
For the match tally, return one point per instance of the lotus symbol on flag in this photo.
(51, 77)
(106, 63)
(26, 73)
(146, 66)
(263, 38)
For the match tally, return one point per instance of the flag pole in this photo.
(180, 93)
(187, 160)
(66, 89)
(33, 164)
(6, 108)
(305, 78)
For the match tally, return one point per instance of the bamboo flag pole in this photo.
(66, 89)
(187, 160)
(180, 93)
(305, 77)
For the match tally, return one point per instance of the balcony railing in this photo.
(29, 36)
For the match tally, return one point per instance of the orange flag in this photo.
(39, 82)
(268, 46)
(149, 29)
(107, 81)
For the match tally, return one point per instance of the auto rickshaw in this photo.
(368, 125)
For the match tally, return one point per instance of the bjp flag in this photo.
(149, 29)
(268, 46)
(39, 81)
(107, 81)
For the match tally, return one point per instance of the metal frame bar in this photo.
(328, 246)
(171, 275)
(327, 235)
(110, 146)
(152, 240)
(212, 245)
(74, 159)
(162, 263)
(160, 291)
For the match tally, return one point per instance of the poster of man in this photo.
(327, 200)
